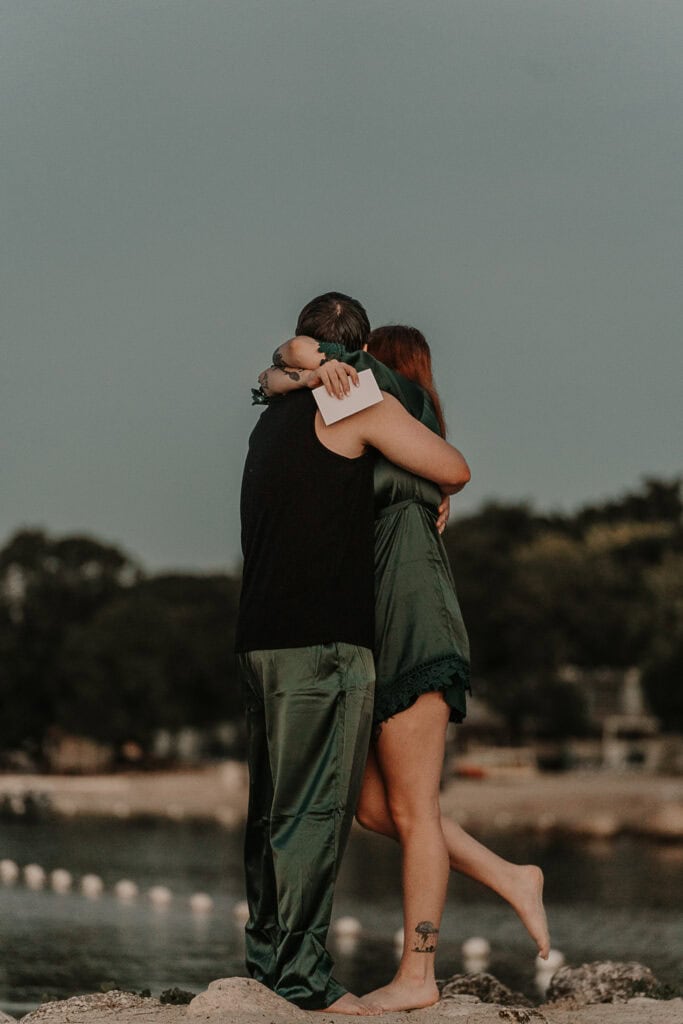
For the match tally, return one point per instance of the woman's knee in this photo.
(408, 815)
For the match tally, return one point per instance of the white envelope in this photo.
(366, 394)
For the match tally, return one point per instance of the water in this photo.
(620, 900)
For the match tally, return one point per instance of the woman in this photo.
(422, 665)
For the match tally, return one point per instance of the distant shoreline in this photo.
(595, 805)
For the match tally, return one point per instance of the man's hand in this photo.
(444, 512)
(335, 376)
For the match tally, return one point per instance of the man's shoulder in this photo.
(294, 403)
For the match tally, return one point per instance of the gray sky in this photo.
(177, 177)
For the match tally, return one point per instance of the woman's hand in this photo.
(336, 378)
(444, 512)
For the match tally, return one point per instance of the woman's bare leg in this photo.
(410, 752)
(521, 885)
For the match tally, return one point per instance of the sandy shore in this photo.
(242, 1001)
(595, 804)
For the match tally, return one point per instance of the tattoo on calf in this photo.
(427, 937)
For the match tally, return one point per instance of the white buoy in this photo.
(9, 871)
(399, 939)
(61, 880)
(160, 895)
(346, 945)
(240, 913)
(476, 954)
(125, 890)
(545, 970)
(201, 903)
(555, 960)
(92, 886)
(347, 927)
(476, 946)
(347, 932)
(34, 876)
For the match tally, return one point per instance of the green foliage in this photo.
(663, 660)
(538, 592)
(47, 586)
(160, 656)
(92, 644)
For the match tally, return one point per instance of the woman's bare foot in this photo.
(402, 994)
(526, 897)
(350, 1004)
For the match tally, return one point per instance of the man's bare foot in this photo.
(527, 899)
(351, 1004)
(402, 994)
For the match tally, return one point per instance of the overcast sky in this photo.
(177, 177)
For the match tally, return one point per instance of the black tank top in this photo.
(307, 536)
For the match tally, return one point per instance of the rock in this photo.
(520, 1015)
(6, 1019)
(458, 1000)
(63, 1009)
(479, 1013)
(601, 982)
(176, 996)
(485, 987)
(241, 996)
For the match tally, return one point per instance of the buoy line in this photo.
(92, 886)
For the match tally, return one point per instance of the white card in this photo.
(366, 394)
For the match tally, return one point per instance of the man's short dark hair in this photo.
(335, 317)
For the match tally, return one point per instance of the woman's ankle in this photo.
(413, 971)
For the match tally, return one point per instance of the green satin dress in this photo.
(421, 642)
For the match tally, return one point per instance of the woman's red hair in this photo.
(405, 350)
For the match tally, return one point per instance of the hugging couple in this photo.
(354, 656)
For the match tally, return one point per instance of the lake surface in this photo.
(620, 900)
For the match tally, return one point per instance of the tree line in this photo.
(93, 644)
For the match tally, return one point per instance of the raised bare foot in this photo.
(350, 1004)
(402, 994)
(527, 899)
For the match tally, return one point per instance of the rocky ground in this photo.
(242, 1001)
(594, 804)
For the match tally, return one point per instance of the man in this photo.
(304, 637)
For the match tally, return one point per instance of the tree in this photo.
(161, 655)
(47, 585)
(663, 662)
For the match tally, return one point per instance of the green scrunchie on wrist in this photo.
(259, 397)
(331, 349)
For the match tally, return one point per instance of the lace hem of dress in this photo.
(450, 674)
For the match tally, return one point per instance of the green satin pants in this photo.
(309, 717)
